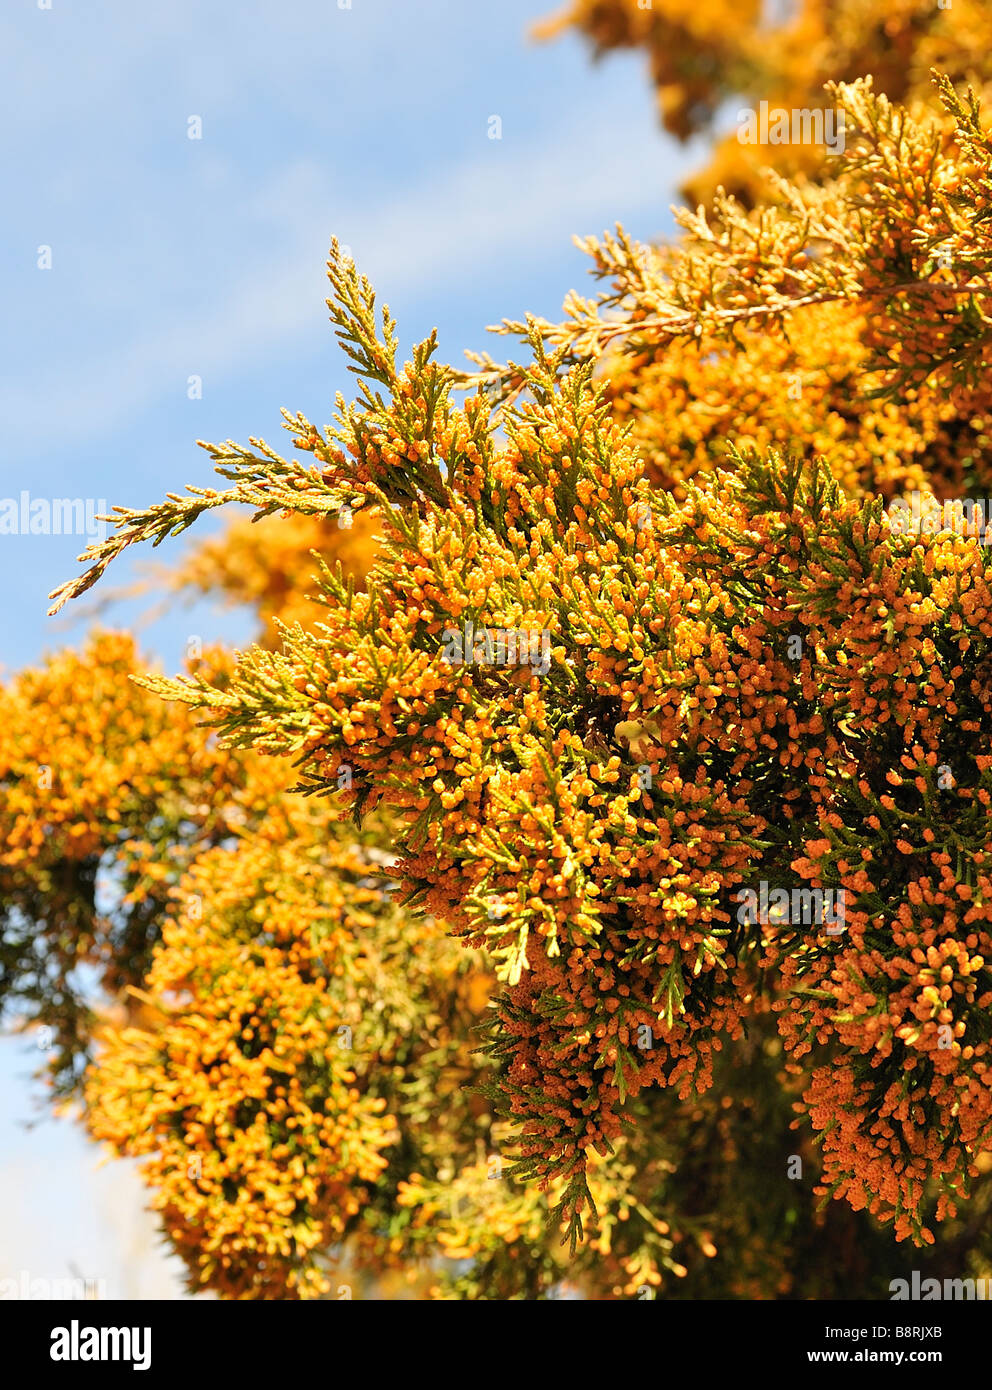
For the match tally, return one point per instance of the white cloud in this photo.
(485, 218)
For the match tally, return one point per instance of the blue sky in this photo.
(173, 257)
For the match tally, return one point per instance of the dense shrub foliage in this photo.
(448, 936)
